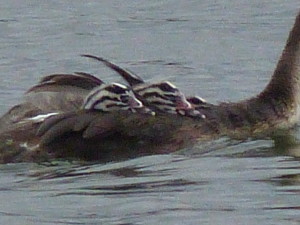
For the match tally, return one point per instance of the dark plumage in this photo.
(90, 135)
(160, 96)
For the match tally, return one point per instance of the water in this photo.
(220, 50)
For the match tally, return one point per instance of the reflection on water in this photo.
(221, 187)
(245, 183)
(220, 50)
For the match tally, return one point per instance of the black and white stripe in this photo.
(111, 97)
(196, 101)
(161, 96)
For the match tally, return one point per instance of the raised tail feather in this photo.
(131, 78)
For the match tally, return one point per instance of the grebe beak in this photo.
(182, 103)
(134, 103)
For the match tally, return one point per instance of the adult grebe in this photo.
(125, 134)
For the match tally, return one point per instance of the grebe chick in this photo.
(161, 96)
(107, 98)
(111, 97)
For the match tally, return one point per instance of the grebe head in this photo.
(164, 96)
(112, 97)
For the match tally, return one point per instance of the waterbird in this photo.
(122, 134)
(161, 96)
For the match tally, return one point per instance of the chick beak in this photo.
(135, 103)
(182, 103)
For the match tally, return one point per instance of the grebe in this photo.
(160, 96)
(105, 98)
(123, 134)
(111, 97)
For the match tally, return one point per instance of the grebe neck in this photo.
(284, 86)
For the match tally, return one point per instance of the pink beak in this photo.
(135, 103)
(182, 103)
